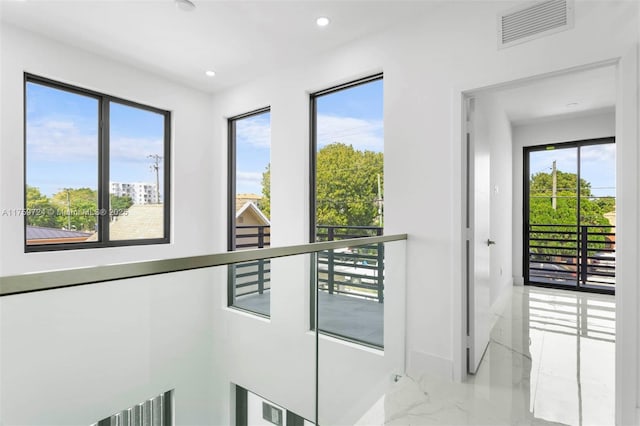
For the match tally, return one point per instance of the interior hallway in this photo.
(550, 361)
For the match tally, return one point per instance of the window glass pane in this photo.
(349, 196)
(61, 166)
(350, 159)
(253, 178)
(598, 215)
(250, 282)
(552, 233)
(136, 173)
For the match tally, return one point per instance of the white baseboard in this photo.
(420, 363)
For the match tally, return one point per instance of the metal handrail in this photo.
(37, 281)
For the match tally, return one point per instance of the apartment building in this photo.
(140, 192)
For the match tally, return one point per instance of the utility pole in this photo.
(68, 208)
(156, 167)
(554, 189)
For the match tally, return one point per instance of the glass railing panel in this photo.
(250, 286)
(361, 325)
(181, 334)
(351, 293)
(272, 362)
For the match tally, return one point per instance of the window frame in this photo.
(313, 142)
(231, 200)
(103, 189)
(313, 152)
(231, 172)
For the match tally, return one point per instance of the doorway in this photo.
(570, 215)
(535, 116)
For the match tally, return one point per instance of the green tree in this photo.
(346, 186)
(119, 204)
(40, 211)
(265, 202)
(541, 211)
(78, 207)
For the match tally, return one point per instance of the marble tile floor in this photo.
(550, 361)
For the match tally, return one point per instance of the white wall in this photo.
(590, 125)
(191, 215)
(426, 65)
(76, 355)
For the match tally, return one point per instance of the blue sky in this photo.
(62, 137)
(253, 152)
(62, 140)
(352, 116)
(598, 165)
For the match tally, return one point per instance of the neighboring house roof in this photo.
(42, 233)
(242, 199)
(141, 221)
(249, 206)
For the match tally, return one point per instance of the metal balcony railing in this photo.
(356, 272)
(251, 277)
(253, 236)
(580, 255)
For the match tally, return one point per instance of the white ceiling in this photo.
(238, 39)
(573, 93)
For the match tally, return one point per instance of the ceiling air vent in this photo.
(533, 21)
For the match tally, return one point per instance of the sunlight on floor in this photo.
(551, 361)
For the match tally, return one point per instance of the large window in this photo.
(96, 169)
(250, 209)
(347, 201)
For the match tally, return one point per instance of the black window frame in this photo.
(313, 142)
(231, 202)
(526, 193)
(313, 152)
(103, 189)
(231, 172)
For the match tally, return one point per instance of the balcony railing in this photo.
(355, 272)
(582, 255)
(251, 277)
(253, 236)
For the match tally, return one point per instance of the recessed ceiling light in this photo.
(322, 21)
(186, 5)
(210, 73)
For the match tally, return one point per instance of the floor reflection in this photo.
(572, 380)
(551, 361)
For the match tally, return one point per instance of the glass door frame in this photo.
(527, 150)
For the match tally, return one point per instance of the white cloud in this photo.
(135, 150)
(254, 131)
(599, 153)
(249, 178)
(51, 139)
(63, 140)
(362, 134)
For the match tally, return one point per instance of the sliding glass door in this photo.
(570, 215)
